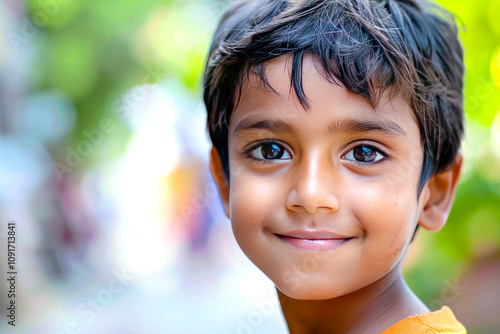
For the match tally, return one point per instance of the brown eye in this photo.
(364, 154)
(270, 151)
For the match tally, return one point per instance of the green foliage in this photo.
(473, 228)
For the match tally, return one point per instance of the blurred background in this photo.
(103, 172)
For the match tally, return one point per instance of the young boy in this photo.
(336, 128)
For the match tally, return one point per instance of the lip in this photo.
(313, 240)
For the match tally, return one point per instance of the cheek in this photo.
(388, 220)
(395, 243)
(252, 201)
(251, 196)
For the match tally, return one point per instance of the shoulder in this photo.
(441, 321)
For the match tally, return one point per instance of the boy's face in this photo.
(323, 201)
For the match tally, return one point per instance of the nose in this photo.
(314, 187)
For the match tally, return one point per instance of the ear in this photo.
(438, 196)
(220, 179)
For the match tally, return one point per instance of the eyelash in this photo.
(383, 156)
(248, 153)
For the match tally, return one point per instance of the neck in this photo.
(369, 310)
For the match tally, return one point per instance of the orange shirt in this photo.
(441, 321)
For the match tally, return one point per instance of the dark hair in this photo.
(406, 47)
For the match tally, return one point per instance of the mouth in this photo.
(313, 240)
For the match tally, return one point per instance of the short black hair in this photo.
(409, 48)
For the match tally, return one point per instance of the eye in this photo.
(269, 151)
(364, 154)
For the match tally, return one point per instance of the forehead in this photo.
(329, 103)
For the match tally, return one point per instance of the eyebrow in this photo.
(272, 125)
(354, 125)
(337, 126)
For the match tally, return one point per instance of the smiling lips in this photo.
(313, 240)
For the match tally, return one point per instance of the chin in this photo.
(309, 291)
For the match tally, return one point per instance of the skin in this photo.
(293, 170)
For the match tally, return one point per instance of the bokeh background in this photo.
(103, 169)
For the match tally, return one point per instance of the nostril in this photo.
(326, 202)
(310, 192)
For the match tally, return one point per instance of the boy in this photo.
(336, 128)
